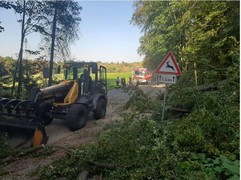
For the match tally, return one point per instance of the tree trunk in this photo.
(51, 62)
(20, 73)
(15, 77)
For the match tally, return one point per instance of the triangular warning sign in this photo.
(169, 66)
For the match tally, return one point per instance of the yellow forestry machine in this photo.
(84, 90)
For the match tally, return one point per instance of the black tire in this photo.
(100, 109)
(76, 117)
(45, 108)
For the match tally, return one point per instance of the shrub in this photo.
(201, 145)
(141, 148)
(139, 102)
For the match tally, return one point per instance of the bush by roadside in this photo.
(203, 144)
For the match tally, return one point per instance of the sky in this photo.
(105, 33)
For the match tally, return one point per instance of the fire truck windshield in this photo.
(140, 72)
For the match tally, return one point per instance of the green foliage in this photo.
(139, 102)
(202, 32)
(141, 148)
(186, 80)
(202, 131)
(120, 67)
(31, 69)
(66, 167)
(7, 65)
(5, 149)
(43, 152)
(219, 167)
(212, 127)
(185, 98)
(136, 149)
(5, 92)
(201, 145)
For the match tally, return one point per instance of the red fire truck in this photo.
(141, 76)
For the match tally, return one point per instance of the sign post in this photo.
(168, 71)
(164, 102)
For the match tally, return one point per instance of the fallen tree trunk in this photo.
(177, 109)
(208, 87)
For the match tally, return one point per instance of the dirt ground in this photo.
(62, 138)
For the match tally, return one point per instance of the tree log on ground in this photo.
(209, 87)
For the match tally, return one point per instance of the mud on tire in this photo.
(100, 109)
(76, 117)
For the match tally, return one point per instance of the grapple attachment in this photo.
(23, 114)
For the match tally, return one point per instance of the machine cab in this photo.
(88, 75)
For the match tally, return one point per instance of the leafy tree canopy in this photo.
(201, 32)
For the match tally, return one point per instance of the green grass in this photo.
(111, 77)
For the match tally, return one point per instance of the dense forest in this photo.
(204, 36)
(199, 137)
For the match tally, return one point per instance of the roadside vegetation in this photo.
(202, 143)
